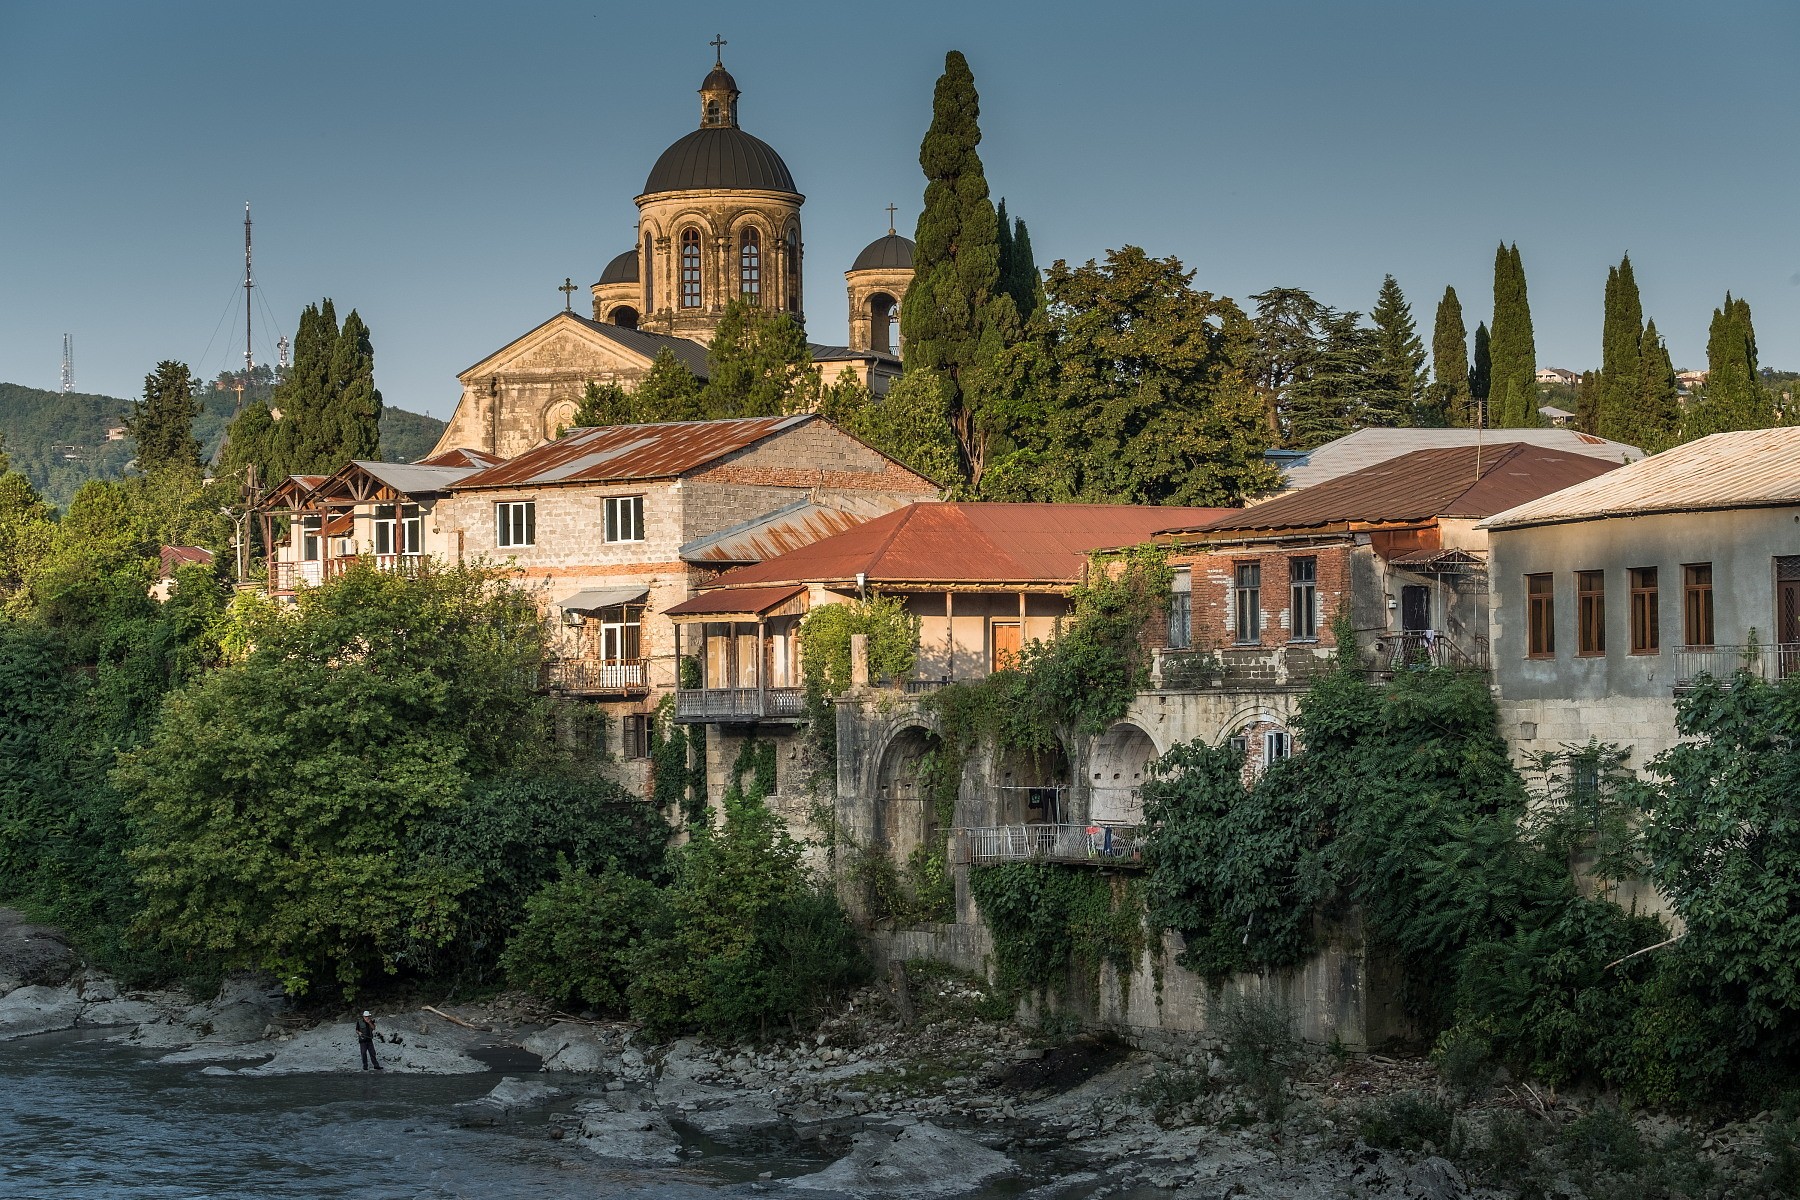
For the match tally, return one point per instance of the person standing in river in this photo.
(365, 1040)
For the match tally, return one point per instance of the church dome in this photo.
(719, 80)
(623, 269)
(720, 157)
(890, 253)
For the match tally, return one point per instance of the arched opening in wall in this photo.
(560, 418)
(1033, 788)
(905, 807)
(690, 267)
(750, 266)
(624, 316)
(649, 273)
(882, 312)
(1121, 760)
(1261, 741)
(793, 269)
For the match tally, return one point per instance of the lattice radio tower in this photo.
(249, 359)
(68, 376)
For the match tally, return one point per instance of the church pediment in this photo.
(560, 346)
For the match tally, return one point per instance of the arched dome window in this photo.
(690, 268)
(649, 276)
(750, 266)
(793, 269)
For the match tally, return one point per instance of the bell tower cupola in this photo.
(719, 94)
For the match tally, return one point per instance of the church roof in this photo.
(622, 269)
(893, 253)
(637, 341)
(719, 80)
(620, 453)
(720, 157)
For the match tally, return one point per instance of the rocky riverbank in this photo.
(936, 1092)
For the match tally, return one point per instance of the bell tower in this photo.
(719, 94)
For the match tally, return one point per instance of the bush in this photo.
(805, 954)
(580, 938)
(1408, 1121)
(1171, 1090)
(1465, 1063)
(1259, 1048)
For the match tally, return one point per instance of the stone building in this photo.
(1611, 597)
(718, 220)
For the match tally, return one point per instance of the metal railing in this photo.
(1096, 845)
(1773, 661)
(704, 704)
(1421, 648)
(289, 575)
(587, 676)
(918, 687)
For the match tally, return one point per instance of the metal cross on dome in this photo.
(568, 289)
(890, 211)
(718, 44)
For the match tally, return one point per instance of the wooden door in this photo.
(1008, 641)
(1415, 608)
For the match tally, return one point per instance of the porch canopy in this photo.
(750, 603)
(592, 600)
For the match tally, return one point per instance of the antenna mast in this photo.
(68, 375)
(249, 361)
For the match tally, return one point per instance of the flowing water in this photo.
(81, 1118)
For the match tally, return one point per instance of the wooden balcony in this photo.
(1084, 845)
(596, 677)
(727, 706)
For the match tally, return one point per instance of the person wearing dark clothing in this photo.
(365, 1039)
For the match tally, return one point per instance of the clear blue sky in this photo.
(442, 167)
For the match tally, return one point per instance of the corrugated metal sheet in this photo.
(1460, 481)
(1371, 447)
(749, 601)
(970, 544)
(630, 452)
(461, 456)
(411, 479)
(593, 599)
(773, 534)
(1751, 469)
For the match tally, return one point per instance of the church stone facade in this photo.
(718, 220)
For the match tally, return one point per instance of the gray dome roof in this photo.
(720, 157)
(623, 269)
(719, 80)
(892, 252)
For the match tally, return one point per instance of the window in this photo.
(636, 740)
(649, 276)
(1276, 745)
(750, 267)
(624, 518)
(515, 524)
(690, 268)
(1645, 636)
(1540, 599)
(1240, 745)
(1303, 587)
(1247, 603)
(793, 270)
(1697, 605)
(1181, 611)
(412, 530)
(384, 529)
(1590, 613)
(309, 538)
(620, 627)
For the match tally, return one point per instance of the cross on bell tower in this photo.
(890, 212)
(719, 94)
(718, 43)
(568, 289)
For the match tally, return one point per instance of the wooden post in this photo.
(762, 672)
(950, 635)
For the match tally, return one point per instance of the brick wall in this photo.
(1214, 573)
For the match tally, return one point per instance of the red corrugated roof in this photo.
(629, 452)
(1455, 481)
(461, 456)
(181, 556)
(927, 544)
(749, 600)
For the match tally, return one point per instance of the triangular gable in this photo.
(563, 343)
(293, 492)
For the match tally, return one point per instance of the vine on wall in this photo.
(1048, 921)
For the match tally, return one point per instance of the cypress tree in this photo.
(1621, 368)
(1481, 377)
(957, 318)
(1513, 397)
(162, 423)
(668, 391)
(1733, 397)
(1397, 377)
(1450, 394)
(1658, 401)
(1019, 276)
(355, 406)
(303, 437)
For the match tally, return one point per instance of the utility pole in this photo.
(249, 360)
(68, 374)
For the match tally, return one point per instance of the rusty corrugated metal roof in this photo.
(1749, 469)
(773, 534)
(1367, 447)
(631, 452)
(1456, 481)
(970, 544)
(750, 601)
(461, 456)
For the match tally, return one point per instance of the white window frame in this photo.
(624, 518)
(410, 530)
(1277, 745)
(311, 539)
(515, 523)
(384, 528)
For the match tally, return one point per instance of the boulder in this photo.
(38, 1008)
(732, 1120)
(922, 1160)
(33, 954)
(629, 1134)
(513, 1093)
(580, 1049)
(121, 1012)
(331, 1049)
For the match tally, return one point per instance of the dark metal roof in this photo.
(622, 269)
(892, 252)
(631, 452)
(846, 354)
(719, 79)
(973, 544)
(723, 157)
(735, 601)
(1456, 481)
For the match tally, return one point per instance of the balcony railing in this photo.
(1094, 845)
(1297, 664)
(289, 575)
(1416, 649)
(590, 677)
(1773, 661)
(739, 704)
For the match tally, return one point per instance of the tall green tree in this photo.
(302, 441)
(1733, 397)
(1481, 376)
(1019, 276)
(957, 318)
(1621, 364)
(1449, 395)
(604, 404)
(1513, 395)
(162, 423)
(1658, 402)
(668, 391)
(1332, 397)
(758, 365)
(1286, 341)
(1397, 377)
(355, 412)
(908, 423)
(27, 529)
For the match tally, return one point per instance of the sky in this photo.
(443, 167)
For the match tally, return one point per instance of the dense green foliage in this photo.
(1049, 921)
(1450, 395)
(581, 938)
(825, 634)
(58, 440)
(161, 424)
(1633, 398)
(407, 436)
(1512, 388)
(1019, 277)
(906, 424)
(758, 365)
(1481, 373)
(1733, 396)
(1397, 377)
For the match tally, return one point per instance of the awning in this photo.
(1431, 562)
(595, 599)
(737, 602)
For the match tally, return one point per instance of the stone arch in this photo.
(791, 265)
(884, 321)
(1116, 771)
(1254, 723)
(905, 817)
(559, 414)
(1033, 788)
(624, 316)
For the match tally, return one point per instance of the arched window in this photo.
(881, 322)
(793, 269)
(712, 112)
(690, 268)
(750, 267)
(649, 277)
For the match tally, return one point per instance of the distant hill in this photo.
(60, 440)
